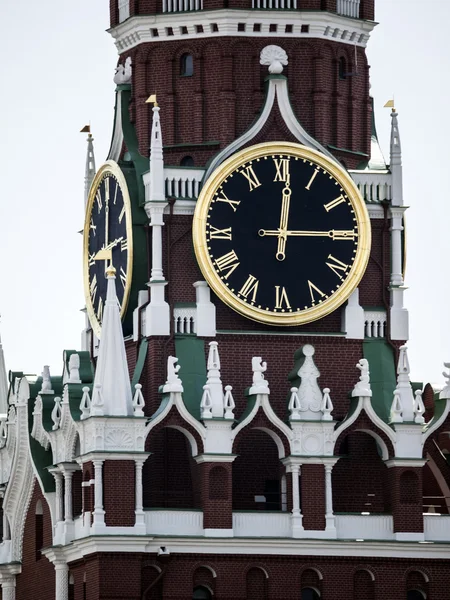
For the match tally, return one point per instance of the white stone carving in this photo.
(404, 385)
(173, 383)
(419, 408)
(206, 404)
(260, 384)
(228, 403)
(85, 404)
(396, 408)
(214, 381)
(327, 405)
(309, 392)
(3, 432)
(445, 393)
(294, 405)
(274, 57)
(56, 413)
(118, 439)
(185, 319)
(97, 402)
(375, 323)
(74, 368)
(123, 72)
(46, 381)
(362, 388)
(138, 401)
(38, 432)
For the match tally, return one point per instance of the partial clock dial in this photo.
(107, 241)
(281, 234)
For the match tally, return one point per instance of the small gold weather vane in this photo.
(390, 104)
(152, 99)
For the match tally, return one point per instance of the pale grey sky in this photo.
(58, 70)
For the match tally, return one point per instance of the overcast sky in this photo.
(58, 67)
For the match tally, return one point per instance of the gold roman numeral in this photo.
(313, 176)
(228, 262)
(122, 214)
(282, 168)
(334, 203)
(123, 245)
(281, 298)
(92, 226)
(250, 176)
(100, 309)
(232, 203)
(249, 287)
(91, 259)
(219, 234)
(316, 289)
(93, 288)
(123, 277)
(98, 197)
(107, 190)
(336, 265)
(115, 193)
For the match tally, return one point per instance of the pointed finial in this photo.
(403, 361)
(85, 404)
(56, 414)
(404, 385)
(138, 401)
(294, 405)
(327, 405)
(152, 100)
(228, 403)
(419, 408)
(214, 381)
(206, 404)
(396, 408)
(89, 172)
(362, 388)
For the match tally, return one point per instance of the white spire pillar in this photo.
(157, 312)
(90, 170)
(399, 315)
(112, 379)
(3, 383)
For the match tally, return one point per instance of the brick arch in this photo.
(311, 577)
(261, 422)
(364, 424)
(363, 585)
(175, 421)
(256, 583)
(417, 579)
(204, 576)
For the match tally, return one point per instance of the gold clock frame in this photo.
(109, 167)
(200, 243)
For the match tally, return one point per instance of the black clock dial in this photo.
(107, 242)
(281, 234)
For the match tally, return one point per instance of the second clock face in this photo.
(282, 234)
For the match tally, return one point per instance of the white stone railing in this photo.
(348, 8)
(185, 319)
(437, 527)
(124, 10)
(182, 5)
(374, 186)
(364, 527)
(174, 522)
(262, 524)
(289, 4)
(375, 323)
(180, 182)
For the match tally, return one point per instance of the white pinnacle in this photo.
(214, 381)
(90, 171)
(157, 192)
(404, 388)
(112, 368)
(396, 162)
(3, 383)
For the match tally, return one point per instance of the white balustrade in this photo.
(180, 182)
(174, 522)
(124, 10)
(185, 319)
(288, 4)
(375, 323)
(348, 8)
(365, 527)
(182, 5)
(262, 524)
(436, 528)
(373, 186)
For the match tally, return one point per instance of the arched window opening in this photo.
(310, 594)
(84, 587)
(415, 595)
(218, 483)
(409, 488)
(342, 68)
(39, 529)
(417, 586)
(77, 498)
(71, 587)
(187, 161)
(202, 593)
(256, 584)
(187, 65)
(363, 585)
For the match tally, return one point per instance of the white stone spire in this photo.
(214, 381)
(157, 312)
(90, 171)
(3, 383)
(404, 389)
(396, 161)
(112, 368)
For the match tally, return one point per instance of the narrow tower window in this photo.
(342, 68)
(187, 65)
(187, 161)
(38, 529)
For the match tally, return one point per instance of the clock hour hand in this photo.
(334, 234)
(106, 252)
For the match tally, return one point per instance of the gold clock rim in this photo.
(362, 217)
(110, 166)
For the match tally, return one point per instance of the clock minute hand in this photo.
(285, 204)
(334, 234)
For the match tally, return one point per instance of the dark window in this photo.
(201, 593)
(257, 27)
(169, 30)
(309, 594)
(155, 33)
(304, 29)
(199, 28)
(342, 68)
(214, 27)
(415, 595)
(241, 26)
(289, 29)
(187, 161)
(71, 588)
(273, 27)
(184, 30)
(39, 529)
(187, 65)
(273, 494)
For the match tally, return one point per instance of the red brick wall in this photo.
(37, 579)
(312, 481)
(406, 497)
(118, 492)
(216, 495)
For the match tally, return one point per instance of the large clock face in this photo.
(107, 241)
(281, 234)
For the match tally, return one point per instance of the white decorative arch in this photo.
(445, 489)
(276, 438)
(319, 574)
(188, 434)
(214, 574)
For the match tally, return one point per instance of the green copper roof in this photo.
(190, 351)
(382, 375)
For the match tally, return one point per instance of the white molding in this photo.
(376, 211)
(323, 25)
(405, 462)
(219, 533)
(212, 458)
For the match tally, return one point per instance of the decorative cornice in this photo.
(172, 26)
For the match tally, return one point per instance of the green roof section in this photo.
(43, 458)
(190, 351)
(383, 380)
(139, 363)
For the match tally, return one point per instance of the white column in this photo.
(297, 517)
(61, 580)
(157, 314)
(68, 516)
(396, 244)
(99, 513)
(59, 496)
(139, 510)
(329, 515)
(156, 224)
(9, 588)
